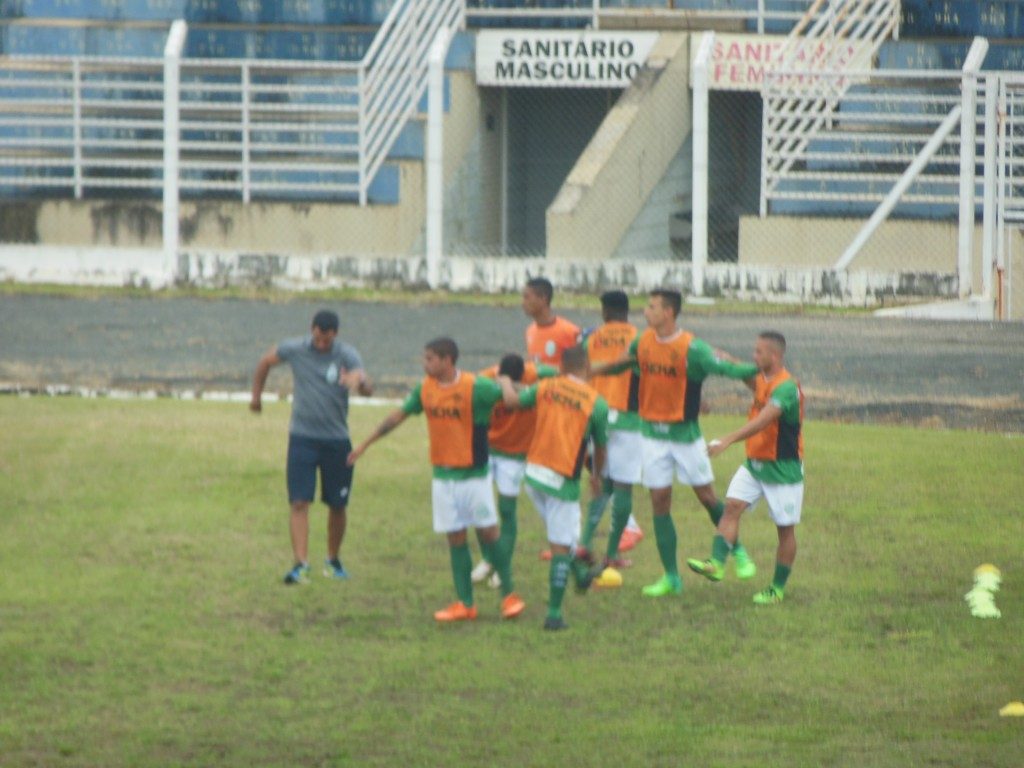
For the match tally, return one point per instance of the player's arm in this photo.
(705, 361)
(356, 381)
(615, 367)
(395, 418)
(259, 378)
(768, 414)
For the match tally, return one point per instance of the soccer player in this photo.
(458, 408)
(324, 369)
(549, 335)
(608, 343)
(569, 412)
(509, 439)
(773, 470)
(673, 365)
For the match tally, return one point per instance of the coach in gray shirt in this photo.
(324, 370)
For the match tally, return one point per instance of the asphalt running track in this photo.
(853, 368)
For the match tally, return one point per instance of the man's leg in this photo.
(301, 481)
(594, 512)
(558, 578)
(622, 510)
(462, 564)
(336, 522)
(298, 525)
(665, 536)
(784, 557)
(745, 567)
(723, 542)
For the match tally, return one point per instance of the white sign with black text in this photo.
(561, 59)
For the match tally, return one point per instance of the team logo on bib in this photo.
(332, 374)
(550, 348)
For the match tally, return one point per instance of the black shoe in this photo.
(555, 624)
(584, 580)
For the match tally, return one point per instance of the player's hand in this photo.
(596, 481)
(352, 380)
(255, 405)
(715, 448)
(354, 455)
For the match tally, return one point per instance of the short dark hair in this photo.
(673, 299)
(615, 305)
(542, 287)
(775, 337)
(444, 347)
(513, 366)
(574, 358)
(325, 320)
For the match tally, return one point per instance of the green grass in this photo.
(565, 300)
(142, 621)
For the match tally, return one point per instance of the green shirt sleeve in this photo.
(787, 397)
(599, 422)
(528, 397)
(546, 371)
(702, 362)
(486, 394)
(414, 402)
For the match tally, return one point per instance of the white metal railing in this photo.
(595, 14)
(835, 35)
(251, 128)
(1009, 187)
(393, 74)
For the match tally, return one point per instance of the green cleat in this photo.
(768, 596)
(666, 585)
(745, 568)
(709, 569)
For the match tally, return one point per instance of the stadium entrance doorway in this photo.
(544, 132)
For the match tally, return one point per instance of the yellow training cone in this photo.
(1013, 709)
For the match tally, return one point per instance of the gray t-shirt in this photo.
(320, 403)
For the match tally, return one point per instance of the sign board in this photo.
(561, 59)
(739, 61)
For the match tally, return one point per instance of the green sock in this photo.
(496, 555)
(716, 512)
(507, 512)
(462, 566)
(719, 549)
(622, 508)
(558, 577)
(665, 535)
(781, 576)
(594, 511)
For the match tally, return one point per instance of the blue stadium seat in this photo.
(320, 12)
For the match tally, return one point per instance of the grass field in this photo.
(142, 621)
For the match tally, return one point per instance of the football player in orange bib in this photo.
(569, 413)
(458, 408)
(774, 469)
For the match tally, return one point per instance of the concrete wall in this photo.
(904, 245)
(625, 160)
(265, 227)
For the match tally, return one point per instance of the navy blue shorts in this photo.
(305, 455)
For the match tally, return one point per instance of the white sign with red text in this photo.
(739, 61)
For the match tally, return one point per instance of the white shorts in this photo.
(784, 501)
(562, 518)
(625, 457)
(690, 461)
(507, 474)
(461, 504)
